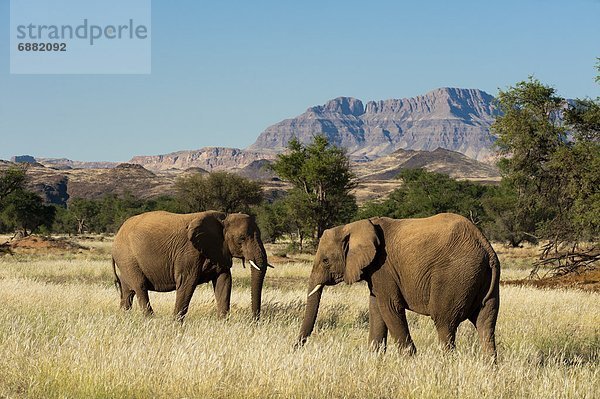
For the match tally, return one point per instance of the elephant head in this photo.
(236, 235)
(242, 236)
(343, 254)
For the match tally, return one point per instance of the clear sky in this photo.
(224, 71)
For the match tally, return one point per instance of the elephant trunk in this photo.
(257, 279)
(310, 315)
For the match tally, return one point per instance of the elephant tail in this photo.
(494, 264)
(117, 280)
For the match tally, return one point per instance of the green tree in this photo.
(114, 210)
(64, 221)
(551, 159)
(502, 222)
(163, 203)
(19, 208)
(11, 179)
(322, 182)
(425, 194)
(273, 220)
(25, 210)
(222, 191)
(85, 213)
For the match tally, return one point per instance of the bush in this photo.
(221, 191)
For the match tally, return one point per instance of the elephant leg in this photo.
(377, 329)
(183, 296)
(485, 323)
(446, 333)
(222, 288)
(127, 295)
(144, 300)
(394, 317)
(132, 284)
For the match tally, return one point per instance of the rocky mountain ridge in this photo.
(207, 158)
(446, 130)
(449, 118)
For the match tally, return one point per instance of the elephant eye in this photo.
(326, 261)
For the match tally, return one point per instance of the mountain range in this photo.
(449, 118)
(446, 130)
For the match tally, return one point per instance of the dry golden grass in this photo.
(61, 335)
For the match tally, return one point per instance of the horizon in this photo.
(222, 73)
(42, 157)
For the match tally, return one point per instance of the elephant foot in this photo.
(378, 347)
(408, 350)
(179, 318)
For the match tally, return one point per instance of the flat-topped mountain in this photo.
(64, 163)
(208, 158)
(449, 118)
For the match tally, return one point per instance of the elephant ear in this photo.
(360, 248)
(206, 234)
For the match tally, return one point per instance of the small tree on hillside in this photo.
(322, 182)
(222, 191)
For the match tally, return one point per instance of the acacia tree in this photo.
(84, 212)
(11, 179)
(425, 193)
(322, 182)
(19, 208)
(222, 191)
(551, 158)
(25, 211)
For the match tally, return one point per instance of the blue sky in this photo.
(224, 71)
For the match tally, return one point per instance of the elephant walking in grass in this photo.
(441, 266)
(162, 251)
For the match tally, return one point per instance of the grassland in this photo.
(61, 335)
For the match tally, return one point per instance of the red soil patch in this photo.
(587, 280)
(33, 244)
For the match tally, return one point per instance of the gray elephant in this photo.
(441, 266)
(162, 251)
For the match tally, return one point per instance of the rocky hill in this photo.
(208, 158)
(376, 178)
(57, 186)
(449, 118)
(64, 163)
(440, 160)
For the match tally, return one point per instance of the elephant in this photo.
(162, 251)
(440, 266)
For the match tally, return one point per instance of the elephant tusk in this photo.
(317, 288)
(272, 267)
(254, 265)
(243, 263)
